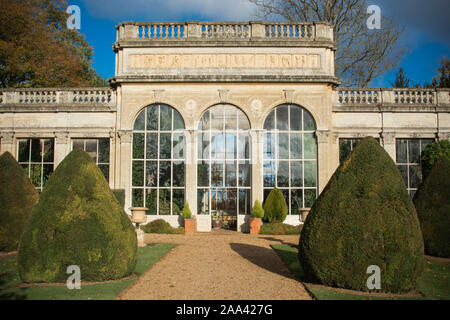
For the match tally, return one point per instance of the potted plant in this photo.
(189, 222)
(216, 222)
(255, 220)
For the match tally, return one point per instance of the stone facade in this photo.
(192, 66)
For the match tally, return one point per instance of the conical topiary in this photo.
(363, 217)
(275, 207)
(432, 202)
(257, 211)
(186, 212)
(77, 221)
(18, 196)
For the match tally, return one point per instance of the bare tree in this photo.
(362, 54)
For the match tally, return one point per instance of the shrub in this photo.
(363, 217)
(275, 208)
(161, 227)
(18, 196)
(120, 196)
(432, 203)
(280, 229)
(77, 221)
(186, 212)
(257, 211)
(432, 153)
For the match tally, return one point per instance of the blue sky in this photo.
(426, 23)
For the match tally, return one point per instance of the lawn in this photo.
(434, 285)
(9, 280)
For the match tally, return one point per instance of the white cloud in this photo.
(170, 10)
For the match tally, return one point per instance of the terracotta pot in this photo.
(255, 225)
(189, 226)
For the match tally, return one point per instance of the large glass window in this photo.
(223, 167)
(98, 149)
(36, 156)
(346, 146)
(408, 155)
(290, 156)
(158, 168)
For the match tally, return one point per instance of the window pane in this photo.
(150, 201)
(165, 117)
(164, 173)
(164, 202)
(230, 117)
(401, 150)
(103, 150)
(296, 118)
(244, 174)
(414, 176)
(308, 122)
(282, 118)
(345, 147)
(414, 151)
(178, 174)
(230, 144)
(48, 169)
(269, 174)
(243, 122)
(178, 123)
(35, 174)
(283, 146)
(138, 173)
(137, 198)
(217, 118)
(266, 194)
(296, 174)
(310, 174)
(48, 150)
(24, 150)
(217, 174)
(104, 168)
(165, 146)
(152, 146)
(138, 146)
(269, 146)
(91, 149)
(296, 145)
(203, 174)
(244, 202)
(178, 201)
(296, 201)
(36, 150)
(230, 174)
(310, 197)
(231, 202)
(152, 118)
(244, 146)
(404, 171)
(151, 174)
(269, 124)
(203, 201)
(78, 144)
(203, 146)
(205, 123)
(139, 124)
(283, 174)
(217, 146)
(310, 146)
(178, 145)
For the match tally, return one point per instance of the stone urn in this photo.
(138, 216)
(304, 213)
(255, 225)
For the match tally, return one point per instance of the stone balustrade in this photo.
(343, 97)
(58, 96)
(204, 31)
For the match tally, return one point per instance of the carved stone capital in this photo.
(288, 95)
(158, 95)
(444, 135)
(256, 106)
(125, 136)
(323, 136)
(388, 137)
(7, 137)
(62, 137)
(223, 95)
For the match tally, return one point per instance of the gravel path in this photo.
(221, 265)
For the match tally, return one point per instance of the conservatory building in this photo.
(217, 115)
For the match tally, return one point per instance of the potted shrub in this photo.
(189, 222)
(255, 220)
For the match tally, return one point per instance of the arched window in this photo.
(223, 167)
(158, 168)
(290, 156)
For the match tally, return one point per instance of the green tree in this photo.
(362, 54)
(275, 207)
(364, 217)
(37, 49)
(401, 80)
(432, 153)
(257, 211)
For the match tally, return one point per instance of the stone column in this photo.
(7, 143)
(62, 147)
(112, 159)
(257, 140)
(124, 165)
(389, 143)
(323, 140)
